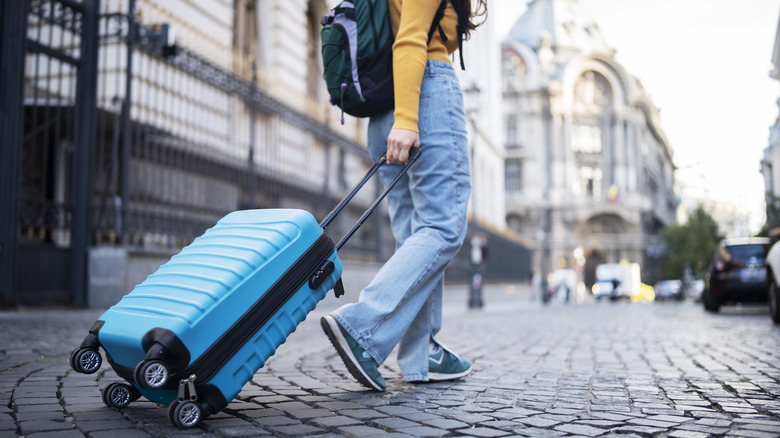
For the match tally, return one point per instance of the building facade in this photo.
(589, 172)
(770, 164)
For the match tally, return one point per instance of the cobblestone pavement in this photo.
(592, 369)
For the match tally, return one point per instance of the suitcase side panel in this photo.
(242, 366)
(253, 356)
(202, 290)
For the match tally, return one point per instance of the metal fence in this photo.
(48, 127)
(130, 141)
(186, 141)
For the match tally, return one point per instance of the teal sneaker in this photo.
(359, 363)
(443, 364)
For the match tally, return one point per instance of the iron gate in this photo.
(51, 126)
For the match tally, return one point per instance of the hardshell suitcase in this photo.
(195, 331)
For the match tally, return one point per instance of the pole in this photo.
(13, 27)
(84, 156)
(126, 134)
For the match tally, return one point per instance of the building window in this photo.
(591, 94)
(592, 97)
(513, 176)
(586, 139)
(661, 169)
(315, 10)
(588, 182)
(652, 188)
(515, 69)
(245, 37)
(342, 172)
(511, 132)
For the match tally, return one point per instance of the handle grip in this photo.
(414, 156)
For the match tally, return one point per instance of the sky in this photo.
(705, 65)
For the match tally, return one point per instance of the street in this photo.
(561, 369)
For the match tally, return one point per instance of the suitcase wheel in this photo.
(185, 414)
(151, 374)
(119, 395)
(85, 360)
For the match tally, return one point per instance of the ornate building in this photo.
(589, 171)
(770, 164)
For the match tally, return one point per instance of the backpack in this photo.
(357, 55)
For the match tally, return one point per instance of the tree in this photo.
(690, 245)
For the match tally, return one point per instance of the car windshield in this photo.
(744, 253)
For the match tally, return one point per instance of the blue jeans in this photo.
(428, 214)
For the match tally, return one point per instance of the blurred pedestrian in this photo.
(479, 255)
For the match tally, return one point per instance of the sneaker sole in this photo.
(437, 377)
(333, 331)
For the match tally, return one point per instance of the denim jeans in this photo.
(428, 214)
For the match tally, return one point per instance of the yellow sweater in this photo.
(411, 20)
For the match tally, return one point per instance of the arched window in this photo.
(592, 95)
(515, 70)
(245, 37)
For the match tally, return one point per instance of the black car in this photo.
(737, 273)
(669, 290)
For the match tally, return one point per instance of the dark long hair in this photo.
(467, 17)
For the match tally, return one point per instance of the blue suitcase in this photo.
(195, 331)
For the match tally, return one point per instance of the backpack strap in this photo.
(437, 22)
(461, 29)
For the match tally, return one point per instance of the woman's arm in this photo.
(410, 54)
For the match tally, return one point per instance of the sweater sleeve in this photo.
(410, 53)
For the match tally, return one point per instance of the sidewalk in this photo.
(593, 369)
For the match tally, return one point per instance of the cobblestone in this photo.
(589, 369)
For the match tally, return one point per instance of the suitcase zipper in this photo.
(239, 334)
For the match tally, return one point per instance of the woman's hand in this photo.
(399, 143)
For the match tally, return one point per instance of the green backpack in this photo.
(357, 55)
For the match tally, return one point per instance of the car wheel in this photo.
(711, 304)
(774, 302)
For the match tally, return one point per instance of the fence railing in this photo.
(183, 141)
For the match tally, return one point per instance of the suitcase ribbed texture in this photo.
(202, 291)
(204, 273)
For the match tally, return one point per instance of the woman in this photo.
(428, 207)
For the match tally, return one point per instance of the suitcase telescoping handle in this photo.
(415, 154)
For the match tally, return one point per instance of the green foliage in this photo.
(690, 245)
